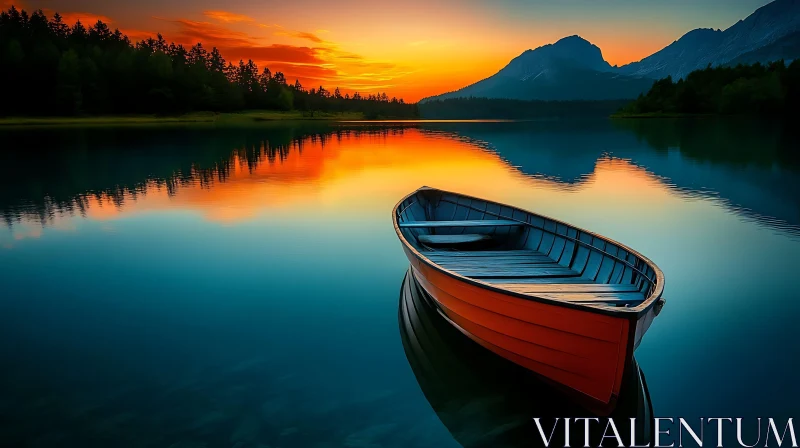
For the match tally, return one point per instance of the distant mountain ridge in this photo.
(786, 48)
(701, 47)
(574, 69)
(570, 69)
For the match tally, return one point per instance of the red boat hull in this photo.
(584, 351)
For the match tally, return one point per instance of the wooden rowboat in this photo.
(567, 304)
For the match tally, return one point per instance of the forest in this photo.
(506, 109)
(756, 89)
(56, 69)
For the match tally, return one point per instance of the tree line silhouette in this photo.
(50, 68)
(741, 90)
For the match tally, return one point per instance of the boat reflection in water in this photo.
(485, 400)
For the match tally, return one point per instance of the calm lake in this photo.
(200, 286)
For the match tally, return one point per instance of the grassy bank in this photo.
(245, 117)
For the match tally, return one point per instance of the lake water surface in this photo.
(238, 286)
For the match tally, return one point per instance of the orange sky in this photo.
(408, 49)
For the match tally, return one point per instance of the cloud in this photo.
(333, 51)
(235, 45)
(89, 19)
(381, 65)
(192, 32)
(307, 74)
(137, 35)
(7, 4)
(86, 18)
(301, 35)
(320, 62)
(227, 17)
(274, 53)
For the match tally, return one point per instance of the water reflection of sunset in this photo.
(328, 173)
(316, 174)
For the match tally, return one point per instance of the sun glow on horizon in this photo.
(409, 51)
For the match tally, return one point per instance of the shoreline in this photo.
(266, 116)
(660, 115)
(245, 117)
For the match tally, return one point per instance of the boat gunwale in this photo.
(626, 312)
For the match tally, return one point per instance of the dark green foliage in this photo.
(49, 68)
(507, 109)
(742, 90)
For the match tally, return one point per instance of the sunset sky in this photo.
(409, 49)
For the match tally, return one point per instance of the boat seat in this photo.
(452, 240)
(486, 253)
(544, 270)
(533, 273)
(521, 265)
(508, 257)
(569, 288)
(471, 223)
(537, 281)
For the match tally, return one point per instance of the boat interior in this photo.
(523, 252)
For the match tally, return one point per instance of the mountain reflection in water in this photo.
(751, 167)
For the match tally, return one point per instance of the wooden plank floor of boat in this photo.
(533, 273)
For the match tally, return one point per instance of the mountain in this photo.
(681, 57)
(570, 69)
(701, 47)
(786, 48)
(574, 69)
(572, 51)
